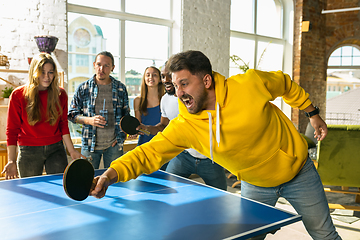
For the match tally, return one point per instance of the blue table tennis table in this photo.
(155, 206)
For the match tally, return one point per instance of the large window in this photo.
(260, 38)
(138, 37)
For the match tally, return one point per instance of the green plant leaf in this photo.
(7, 92)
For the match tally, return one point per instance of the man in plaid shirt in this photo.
(101, 134)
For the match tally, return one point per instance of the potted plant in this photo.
(6, 94)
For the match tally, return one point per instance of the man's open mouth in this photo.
(188, 101)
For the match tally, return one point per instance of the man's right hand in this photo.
(97, 121)
(99, 186)
(101, 183)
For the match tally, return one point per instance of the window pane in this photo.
(356, 61)
(337, 52)
(242, 16)
(346, 61)
(346, 51)
(269, 18)
(244, 49)
(153, 8)
(334, 61)
(269, 56)
(146, 41)
(356, 52)
(104, 4)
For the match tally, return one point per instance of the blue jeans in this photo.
(305, 193)
(33, 159)
(185, 164)
(109, 155)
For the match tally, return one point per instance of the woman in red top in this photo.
(37, 123)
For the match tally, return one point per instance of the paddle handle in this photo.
(146, 132)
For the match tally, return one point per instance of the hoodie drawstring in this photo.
(217, 130)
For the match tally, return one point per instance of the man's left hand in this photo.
(320, 127)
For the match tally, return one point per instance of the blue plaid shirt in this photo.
(83, 104)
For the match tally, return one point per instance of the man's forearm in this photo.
(80, 119)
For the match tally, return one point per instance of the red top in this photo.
(18, 130)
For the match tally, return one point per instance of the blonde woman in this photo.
(37, 123)
(147, 105)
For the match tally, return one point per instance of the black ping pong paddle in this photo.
(78, 178)
(129, 124)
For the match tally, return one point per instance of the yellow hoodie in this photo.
(245, 134)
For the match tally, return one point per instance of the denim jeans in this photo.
(185, 164)
(305, 193)
(109, 155)
(32, 159)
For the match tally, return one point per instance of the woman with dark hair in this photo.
(147, 105)
(37, 123)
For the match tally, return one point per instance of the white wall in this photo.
(21, 20)
(205, 26)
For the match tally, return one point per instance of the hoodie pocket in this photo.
(277, 169)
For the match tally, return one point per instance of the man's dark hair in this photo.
(108, 54)
(194, 61)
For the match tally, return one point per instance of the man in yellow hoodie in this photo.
(233, 122)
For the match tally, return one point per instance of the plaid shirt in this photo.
(83, 104)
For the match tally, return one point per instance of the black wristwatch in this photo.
(312, 113)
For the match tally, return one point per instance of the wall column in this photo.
(309, 57)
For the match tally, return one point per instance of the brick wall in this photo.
(342, 28)
(309, 57)
(206, 27)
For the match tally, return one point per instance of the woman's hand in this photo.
(10, 170)
(132, 136)
(75, 155)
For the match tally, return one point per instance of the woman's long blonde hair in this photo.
(33, 108)
(144, 91)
